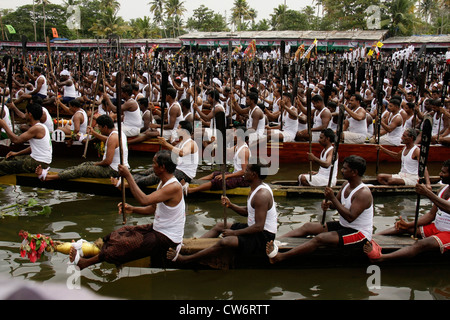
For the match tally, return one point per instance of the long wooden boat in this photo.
(60, 149)
(294, 152)
(280, 189)
(324, 257)
(288, 152)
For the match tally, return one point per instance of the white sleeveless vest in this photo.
(271, 218)
(170, 220)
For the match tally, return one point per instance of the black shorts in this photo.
(347, 236)
(252, 244)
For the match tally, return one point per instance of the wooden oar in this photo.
(49, 50)
(92, 112)
(424, 149)
(222, 151)
(282, 50)
(379, 109)
(443, 96)
(164, 82)
(119, 129)
(339, 130)
(308, 119)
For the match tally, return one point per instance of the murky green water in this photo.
(67, 216)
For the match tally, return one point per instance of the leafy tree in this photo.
(109, 23)
(262, 25)
(347, 14)
(156, 8)
(205, 19)
(143, 28)
(401, 19)
(21, 20)
(289, 19)
(174, 9)
(240, 13)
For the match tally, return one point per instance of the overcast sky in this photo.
(132, 9)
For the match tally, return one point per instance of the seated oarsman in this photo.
(208, 120)
(392, 125)
(38, 153)
(186, 110)
(321, 119)
(106, 168)
(173, 114)
(321, 178)
(441, 123)
(131, 113)
(288, 116)
(354, 204)
(248, 238)
(355, 126)
(409, 156)
(76, 128)
(167, 206)
(433, 227)
(6, 117)
(40, 85)
(187, 152)
(67, 85)
(45, 119)
(241, 155)
(256, 121)
(147, 114)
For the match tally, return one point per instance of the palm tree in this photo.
(44, 2)
(143, 28)
(175, 9)
(114, 4)
(109, 23)
(156, 7)
(241, 12)
(426, 8)
(402, 19)
(277, 16)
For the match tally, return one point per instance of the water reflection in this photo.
(75, 216)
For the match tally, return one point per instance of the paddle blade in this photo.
(164, 82)
(425, 146)
(308, 109)
(221, 137)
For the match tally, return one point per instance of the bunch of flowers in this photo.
(33, 245)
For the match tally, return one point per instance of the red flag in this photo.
(55, 33)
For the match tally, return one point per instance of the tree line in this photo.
(166, 18)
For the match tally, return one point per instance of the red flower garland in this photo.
(33, 245)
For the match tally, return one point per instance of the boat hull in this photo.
(103, 186)
(323, 257)
(294, 152)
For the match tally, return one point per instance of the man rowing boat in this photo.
(354, 203)
(167, 206)
(249, 238)
(433, 227)
(409, 156)
(320, 178)
(40, 151)
(187, 152)
(106, 168)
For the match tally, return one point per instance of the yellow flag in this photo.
(370, 53)
(380, 44)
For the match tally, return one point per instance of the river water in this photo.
(70, 216)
